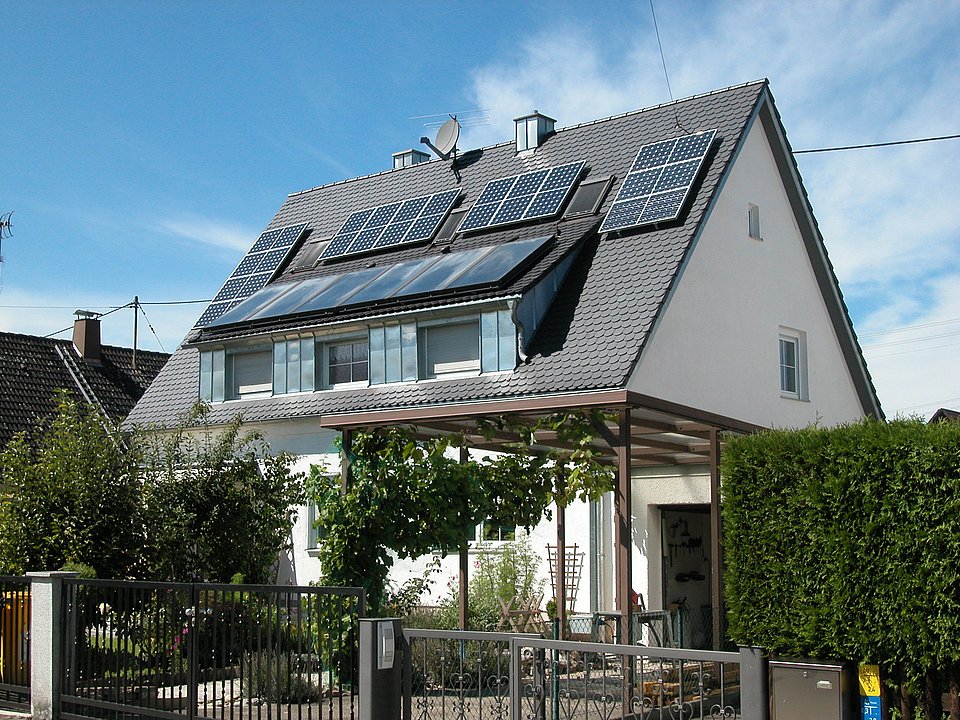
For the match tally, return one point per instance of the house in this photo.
(33, 369)
(944, 414)
(663, 265)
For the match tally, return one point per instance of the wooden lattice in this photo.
(572, 567)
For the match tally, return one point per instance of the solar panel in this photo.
(386, 226)
(533, 195)
(659, 181)
(255, 270)
(485, 266)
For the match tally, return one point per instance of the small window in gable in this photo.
(449, 349)
(249, 373)
(793, 364)
(753, 222)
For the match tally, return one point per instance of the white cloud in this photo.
(842, 73)
(208, 232)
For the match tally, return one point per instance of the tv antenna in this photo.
(5, 231)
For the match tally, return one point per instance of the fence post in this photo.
(381, 660)
(46, 642)
(754, 684)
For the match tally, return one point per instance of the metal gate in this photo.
(15, 643)
(218, 652)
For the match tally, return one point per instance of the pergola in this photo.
(644, 432)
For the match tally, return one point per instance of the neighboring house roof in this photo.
(596, 327)
(32, 369)
(945, 414)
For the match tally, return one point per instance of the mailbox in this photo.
(803, 689)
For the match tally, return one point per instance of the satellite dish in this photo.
(447, 136)
(446, 141)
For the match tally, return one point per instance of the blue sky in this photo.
(146, 145)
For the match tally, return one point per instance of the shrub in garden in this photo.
(845, 543)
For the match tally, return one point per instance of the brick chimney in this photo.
(86, 335)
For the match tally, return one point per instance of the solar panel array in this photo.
(255, 270)
(386, 226)
(478, 267)
(659, 181)
(536, 194)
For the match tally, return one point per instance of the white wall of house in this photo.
(715, 346)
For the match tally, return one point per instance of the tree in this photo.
(215, 502)
(197, 503)
(70, 494)
(410, 497)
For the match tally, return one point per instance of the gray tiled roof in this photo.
(594, 331)
(31, 372)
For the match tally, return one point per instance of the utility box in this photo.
(381, 664)
(804, 689)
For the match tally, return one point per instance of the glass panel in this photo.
(307, 373)
(507, 333)
(206, 376)
(408, 351)
(248, 307)
(338, 292)
(359, 364)
(291, 300)
(390, 281)
(218, 376)
(391, 338)
(339, 374)
(788, 365)
(293, 365)
(489, 343)
(437, 276)
(280, 367)
(500, 262)
(377, 356)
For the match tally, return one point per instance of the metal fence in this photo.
(457, 674)
(15, 642)
(592, 681)
(224, 652)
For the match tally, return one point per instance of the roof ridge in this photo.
(586, 123)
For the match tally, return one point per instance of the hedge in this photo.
(845, 543)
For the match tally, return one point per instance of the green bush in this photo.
(281, 677)
(845, 543)
(506, 573)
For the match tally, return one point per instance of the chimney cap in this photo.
(86, 314)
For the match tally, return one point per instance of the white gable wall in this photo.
(715, 346)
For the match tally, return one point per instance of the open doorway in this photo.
(685, 541)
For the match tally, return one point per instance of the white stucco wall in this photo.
(715, 346)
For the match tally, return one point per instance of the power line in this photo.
(877, 145)
(909, 327)
(111, 308)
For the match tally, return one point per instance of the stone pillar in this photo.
(46, 642)
(381, 662)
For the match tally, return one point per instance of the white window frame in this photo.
(753, 221)
(798, 339)
(324, 365)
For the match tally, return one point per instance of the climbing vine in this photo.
(408, 496)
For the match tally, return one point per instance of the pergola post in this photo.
(464, 565)
(716, 550)
(624, 527)
(346, 443)
(561, 585)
